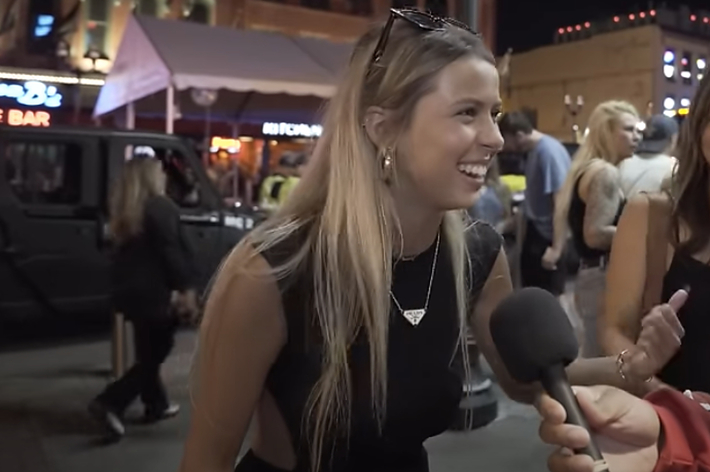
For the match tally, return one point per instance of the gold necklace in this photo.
(415, 316)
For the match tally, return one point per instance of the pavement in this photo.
(44, 426)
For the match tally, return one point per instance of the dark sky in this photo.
(525, 24)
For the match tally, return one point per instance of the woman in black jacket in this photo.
(151, 278)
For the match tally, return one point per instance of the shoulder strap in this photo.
(656, 250)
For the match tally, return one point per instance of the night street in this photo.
(44, 426)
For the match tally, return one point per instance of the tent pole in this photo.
(130, 116)
(170, 109)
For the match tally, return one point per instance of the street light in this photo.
(574, 108)
(94, 55)
(63, 50)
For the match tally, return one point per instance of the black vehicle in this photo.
(54, 189)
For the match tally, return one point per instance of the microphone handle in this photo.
(554, 381)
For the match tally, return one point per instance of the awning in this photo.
(262, 70)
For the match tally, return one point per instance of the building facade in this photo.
(27, 27)
(651, 64)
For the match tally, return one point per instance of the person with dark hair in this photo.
(546, 167)
(662, 245)
(278, 186)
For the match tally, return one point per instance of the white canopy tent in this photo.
(264, 69)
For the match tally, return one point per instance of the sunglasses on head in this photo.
(422, 20)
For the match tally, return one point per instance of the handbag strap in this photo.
(656, 250)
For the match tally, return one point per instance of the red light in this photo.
(561, 31)
(693, 17)
(653, 12)
(632, 17)
(569, 29)
(589, 25)
(578, 27)
(90, 24)
(706, 20)
(616, 19)
(642, 14)
(684, 61)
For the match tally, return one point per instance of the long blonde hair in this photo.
(346, 211)
(140, 179)
(598, 144)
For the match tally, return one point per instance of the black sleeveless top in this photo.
(424, 385)
(575, 219)
(688, 368)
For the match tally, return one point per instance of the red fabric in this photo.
(686, 426)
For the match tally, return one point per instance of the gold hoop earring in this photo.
(387, 164)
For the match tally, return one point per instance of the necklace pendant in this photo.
(414, 316)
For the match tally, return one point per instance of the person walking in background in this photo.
(653, 162)
(591, 202)
(494, 202)
(546, 167)
(152, 278)
(278, 186)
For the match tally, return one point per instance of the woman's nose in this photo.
(493, 139)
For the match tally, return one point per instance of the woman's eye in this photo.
(496, 115)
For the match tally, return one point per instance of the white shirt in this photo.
(645, 174)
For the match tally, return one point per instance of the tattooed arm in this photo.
(603, 200)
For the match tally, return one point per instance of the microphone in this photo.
(536, 342)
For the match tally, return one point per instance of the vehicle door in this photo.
(189, 187)
(50, 257)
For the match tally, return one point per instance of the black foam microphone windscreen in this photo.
(531, 332)
(536, 342)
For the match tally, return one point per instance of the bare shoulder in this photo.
(599, 177)
(603, 177)
(246, 298)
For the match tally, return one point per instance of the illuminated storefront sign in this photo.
(292, 129)
(32, 94)
(14, 117)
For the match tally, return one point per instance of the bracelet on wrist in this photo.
(621, 363)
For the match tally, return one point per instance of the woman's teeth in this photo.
(473, 170)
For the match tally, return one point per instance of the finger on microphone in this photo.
(678, 300)
(562, 462)
(564, 435)
(551, 410)
(589, 399)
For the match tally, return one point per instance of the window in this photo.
(40, 23)
(147, 7)
(437, 7)
(182, 184)
(669, 65)
(361, 7)
(686, 68)
(201, 12)
(44, 173)
(97, 18)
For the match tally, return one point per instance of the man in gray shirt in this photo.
(546, 167)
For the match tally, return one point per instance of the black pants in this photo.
(154, 337)
(532, 273)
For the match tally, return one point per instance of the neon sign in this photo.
(292, 129)
(32, 94)
(14, 117)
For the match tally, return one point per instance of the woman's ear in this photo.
(375, 125)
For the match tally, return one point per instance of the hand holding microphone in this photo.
(626, 428)
(536, 342)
